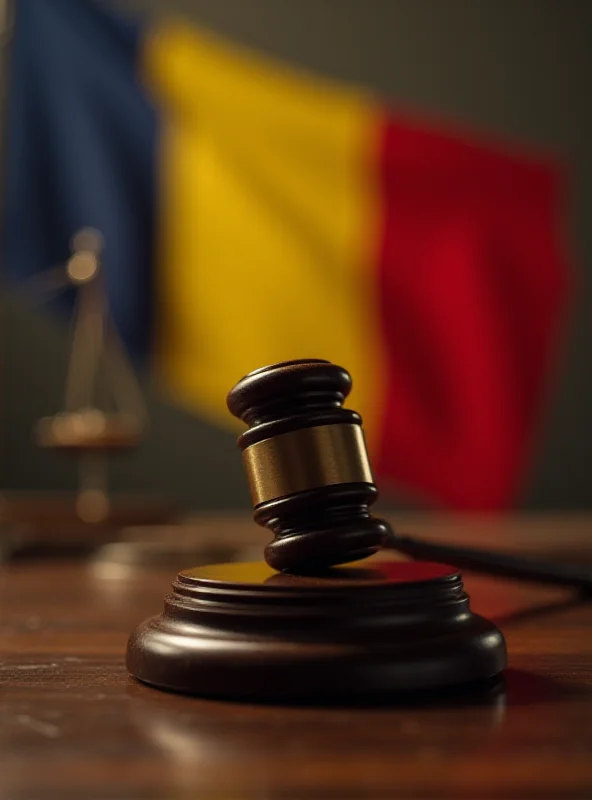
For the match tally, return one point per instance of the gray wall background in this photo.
(519, 68)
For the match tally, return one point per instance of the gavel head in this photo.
(307, 465)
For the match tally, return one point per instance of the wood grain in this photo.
(73, 724)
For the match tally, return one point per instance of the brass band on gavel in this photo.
(307, 458)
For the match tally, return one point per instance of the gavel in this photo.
(311, 482)
(308, 625)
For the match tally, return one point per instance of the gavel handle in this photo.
(489, 562)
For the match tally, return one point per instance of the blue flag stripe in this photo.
(80, 151)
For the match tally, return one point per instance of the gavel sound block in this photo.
(316, 622)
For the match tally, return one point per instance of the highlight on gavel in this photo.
(311, 481)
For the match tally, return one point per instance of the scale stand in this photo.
(104, 413)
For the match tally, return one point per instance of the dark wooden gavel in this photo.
(312, 485)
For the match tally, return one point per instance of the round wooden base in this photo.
(360, 631)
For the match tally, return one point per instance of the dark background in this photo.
(518, 68)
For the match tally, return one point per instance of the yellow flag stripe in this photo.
(268, 220)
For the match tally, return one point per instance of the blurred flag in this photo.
(255, 213)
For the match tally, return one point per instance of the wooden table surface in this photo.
(74, 725)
